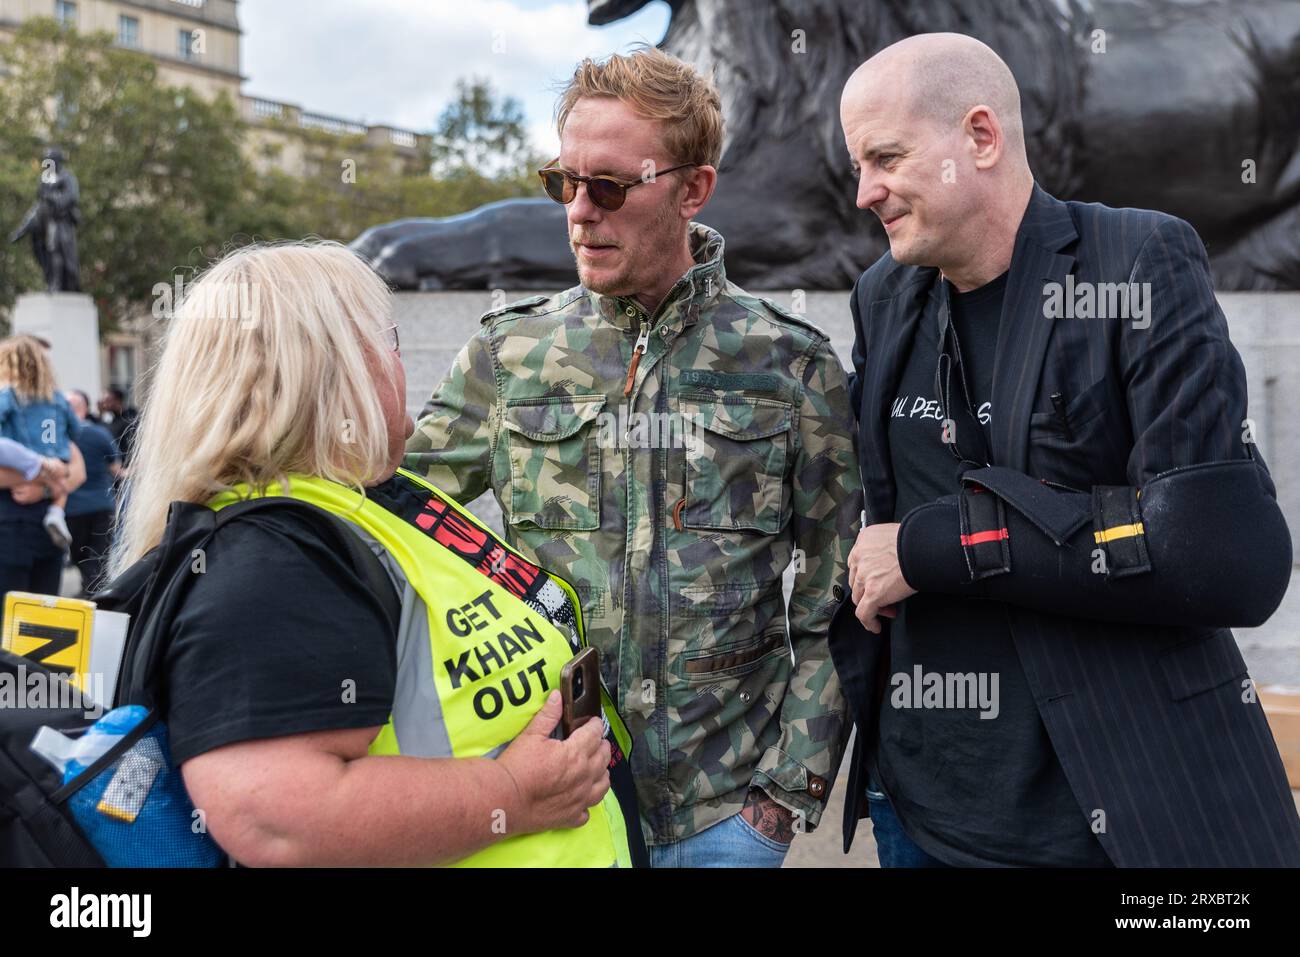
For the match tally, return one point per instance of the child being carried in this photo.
(35, 414)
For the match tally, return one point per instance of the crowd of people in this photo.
(61, 465)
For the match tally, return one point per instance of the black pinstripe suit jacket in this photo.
(1149, 722)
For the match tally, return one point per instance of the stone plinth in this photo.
(70, 323)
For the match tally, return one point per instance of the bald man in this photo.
(1032, 680)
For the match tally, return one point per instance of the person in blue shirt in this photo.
(33, 529)
(91, 508)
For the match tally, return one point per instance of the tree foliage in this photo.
(169, 179)
(477, 133)
(160, 172)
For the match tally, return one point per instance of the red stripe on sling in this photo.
(980, 537)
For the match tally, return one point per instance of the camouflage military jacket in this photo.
(671, 466)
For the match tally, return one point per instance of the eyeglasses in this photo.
(605, 191)
(390, 337)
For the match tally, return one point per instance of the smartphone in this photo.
(580, 690)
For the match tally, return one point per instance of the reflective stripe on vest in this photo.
(473, 670)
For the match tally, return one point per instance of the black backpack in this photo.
(36, 827)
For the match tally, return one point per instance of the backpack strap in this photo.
(191, 526)
(363, 560)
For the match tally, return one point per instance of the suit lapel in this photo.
(1024, 329)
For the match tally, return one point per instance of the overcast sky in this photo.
(397, 61)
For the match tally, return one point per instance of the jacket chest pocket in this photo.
(554, 461)
(735, 464)
(1083, 444)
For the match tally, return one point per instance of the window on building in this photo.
(128, 31)
(185, 45)
(65, 11)
(122, 360)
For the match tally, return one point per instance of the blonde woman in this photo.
(33, 413)
(307, 731)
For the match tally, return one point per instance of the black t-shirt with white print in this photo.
(977, 784)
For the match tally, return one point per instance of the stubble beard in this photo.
(641, 262)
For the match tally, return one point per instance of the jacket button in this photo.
(816, 786)
(630, 311)
(838, 592)
(744, 696)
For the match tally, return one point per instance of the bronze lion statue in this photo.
(1187, 106)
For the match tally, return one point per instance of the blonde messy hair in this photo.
(26, 367)
(658, 87)
(263, 373)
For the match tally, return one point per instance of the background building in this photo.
(287, 138)
(196, 44)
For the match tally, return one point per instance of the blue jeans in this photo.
(893, 845)
(730, 843)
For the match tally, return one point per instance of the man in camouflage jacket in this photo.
(671, 461)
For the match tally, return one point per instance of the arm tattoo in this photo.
(769, 818)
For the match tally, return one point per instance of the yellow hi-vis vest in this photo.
(490, 661)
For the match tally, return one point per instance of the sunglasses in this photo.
(605, 191)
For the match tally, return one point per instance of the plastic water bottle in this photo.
(71, 756)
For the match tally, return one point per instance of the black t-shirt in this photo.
(23, 538)
(970, 790)
(278, 636)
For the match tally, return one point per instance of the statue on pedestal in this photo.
(52, 223)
